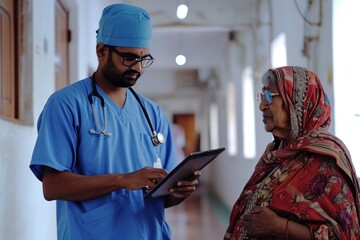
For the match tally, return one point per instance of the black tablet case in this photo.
(183, 171)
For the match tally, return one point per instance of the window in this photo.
(9, 60)
(346, 51)
(214, 125)
(231, 119)
(248, 106)
(278, 51)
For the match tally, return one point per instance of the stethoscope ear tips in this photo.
(92, 131)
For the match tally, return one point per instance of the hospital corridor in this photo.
(199, 81)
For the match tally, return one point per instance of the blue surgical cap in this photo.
(125, 25)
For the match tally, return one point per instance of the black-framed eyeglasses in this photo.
(130, 61)
(266, 95)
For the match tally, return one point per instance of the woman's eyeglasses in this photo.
(131, 61)
(266, 95)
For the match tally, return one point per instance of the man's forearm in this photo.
(75, 187)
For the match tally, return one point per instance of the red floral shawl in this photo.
(312, 180)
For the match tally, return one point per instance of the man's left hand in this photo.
(186, 187)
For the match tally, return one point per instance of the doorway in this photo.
(62, 38)
(187, 121)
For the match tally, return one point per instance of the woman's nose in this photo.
(263, 105)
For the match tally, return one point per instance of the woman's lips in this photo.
(266, 118)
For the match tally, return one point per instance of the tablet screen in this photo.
(194, 161)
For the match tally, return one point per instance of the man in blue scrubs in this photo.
(96, 150)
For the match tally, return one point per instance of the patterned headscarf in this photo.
(310, 112)
(304, 98)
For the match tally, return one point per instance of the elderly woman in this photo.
(304, 185)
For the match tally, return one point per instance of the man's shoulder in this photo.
(78, 88)
(72, 95)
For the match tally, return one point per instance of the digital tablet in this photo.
(183, 171)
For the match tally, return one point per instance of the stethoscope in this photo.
(156, 138)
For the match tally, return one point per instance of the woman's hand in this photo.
(263, 222)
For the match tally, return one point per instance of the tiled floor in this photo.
(195, 219)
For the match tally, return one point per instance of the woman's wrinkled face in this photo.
(275, 117)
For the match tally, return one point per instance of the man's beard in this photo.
(118, 79)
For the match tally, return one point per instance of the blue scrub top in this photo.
(65, 144)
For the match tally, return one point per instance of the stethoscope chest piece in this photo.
(157, 138)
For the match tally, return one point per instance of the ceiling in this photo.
(202, 36)
(205, 14)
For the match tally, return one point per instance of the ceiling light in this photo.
(182, 11)
(180, 60)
